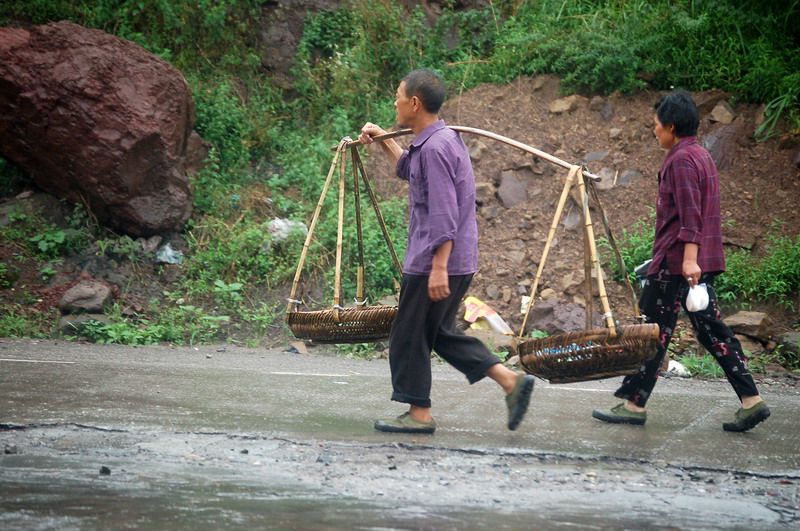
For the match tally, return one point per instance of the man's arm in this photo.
(439, 281)
(391, 148)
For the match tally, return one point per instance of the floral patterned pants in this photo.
(663, 296)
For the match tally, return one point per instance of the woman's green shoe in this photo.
(747, 419)
(619, 415)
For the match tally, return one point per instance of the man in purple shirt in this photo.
(687, 252)
(441, 257)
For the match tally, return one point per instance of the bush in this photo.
(774, 276)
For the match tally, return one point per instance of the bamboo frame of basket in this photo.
(587, 354)
(359, 324)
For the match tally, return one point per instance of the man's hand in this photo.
(368, 131)
(438, 284)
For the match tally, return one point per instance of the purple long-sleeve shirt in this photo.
(441, 200)
(688, 210)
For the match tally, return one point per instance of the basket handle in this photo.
(337, 283)
(357, 196)
(587, 221)
(617, 254)
(292, 301)
(374, 200)
(556, 218)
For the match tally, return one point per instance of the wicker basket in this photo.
(351, 325)
(589, 354)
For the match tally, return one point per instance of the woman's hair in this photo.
(428, 86)
(678, 109)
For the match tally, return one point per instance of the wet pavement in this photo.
(116, 437)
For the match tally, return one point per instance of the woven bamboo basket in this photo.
(589, 354)
(361, 323)
(351, 325)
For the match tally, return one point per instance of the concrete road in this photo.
(161, 437)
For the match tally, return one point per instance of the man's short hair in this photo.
(428, 86)
(678, 109)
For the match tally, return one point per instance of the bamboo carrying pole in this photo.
(487, 134)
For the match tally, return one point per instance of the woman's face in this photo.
(665, 134)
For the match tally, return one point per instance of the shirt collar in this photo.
(685, 141)
(427, 133)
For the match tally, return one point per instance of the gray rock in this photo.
(614, 133)
(596, 155)
(88, 296)
(597, 103)
(628, 176)
(490, 211)
(75, 325)
(555, 317)
(723, 113)
(573, 218)
(607, 179)
(790, 343)
(493, 292)
(548, 293)
(568, 104)
(512, 191)
(720, 144)
(484, 193)
(757, 325)
(477, 150)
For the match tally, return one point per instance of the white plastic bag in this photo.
(697, 300)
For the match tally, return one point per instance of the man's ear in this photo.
(415, 103)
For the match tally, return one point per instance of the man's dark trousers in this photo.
(423, 325)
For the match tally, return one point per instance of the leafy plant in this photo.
(702, 366)
(773, 276)
(22, 320)
(635, 247)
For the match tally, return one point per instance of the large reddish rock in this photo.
(99, 120)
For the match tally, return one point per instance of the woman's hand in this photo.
(692, 272)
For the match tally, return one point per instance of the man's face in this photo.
(405, 106)
(665, 134)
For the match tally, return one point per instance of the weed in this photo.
(359, 351)
(702, 366)
(22, 320)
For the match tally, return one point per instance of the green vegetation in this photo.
(272, 140)
(702, 366)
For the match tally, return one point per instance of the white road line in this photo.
(38, 361)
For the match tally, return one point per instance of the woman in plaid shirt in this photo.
(687, 251)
